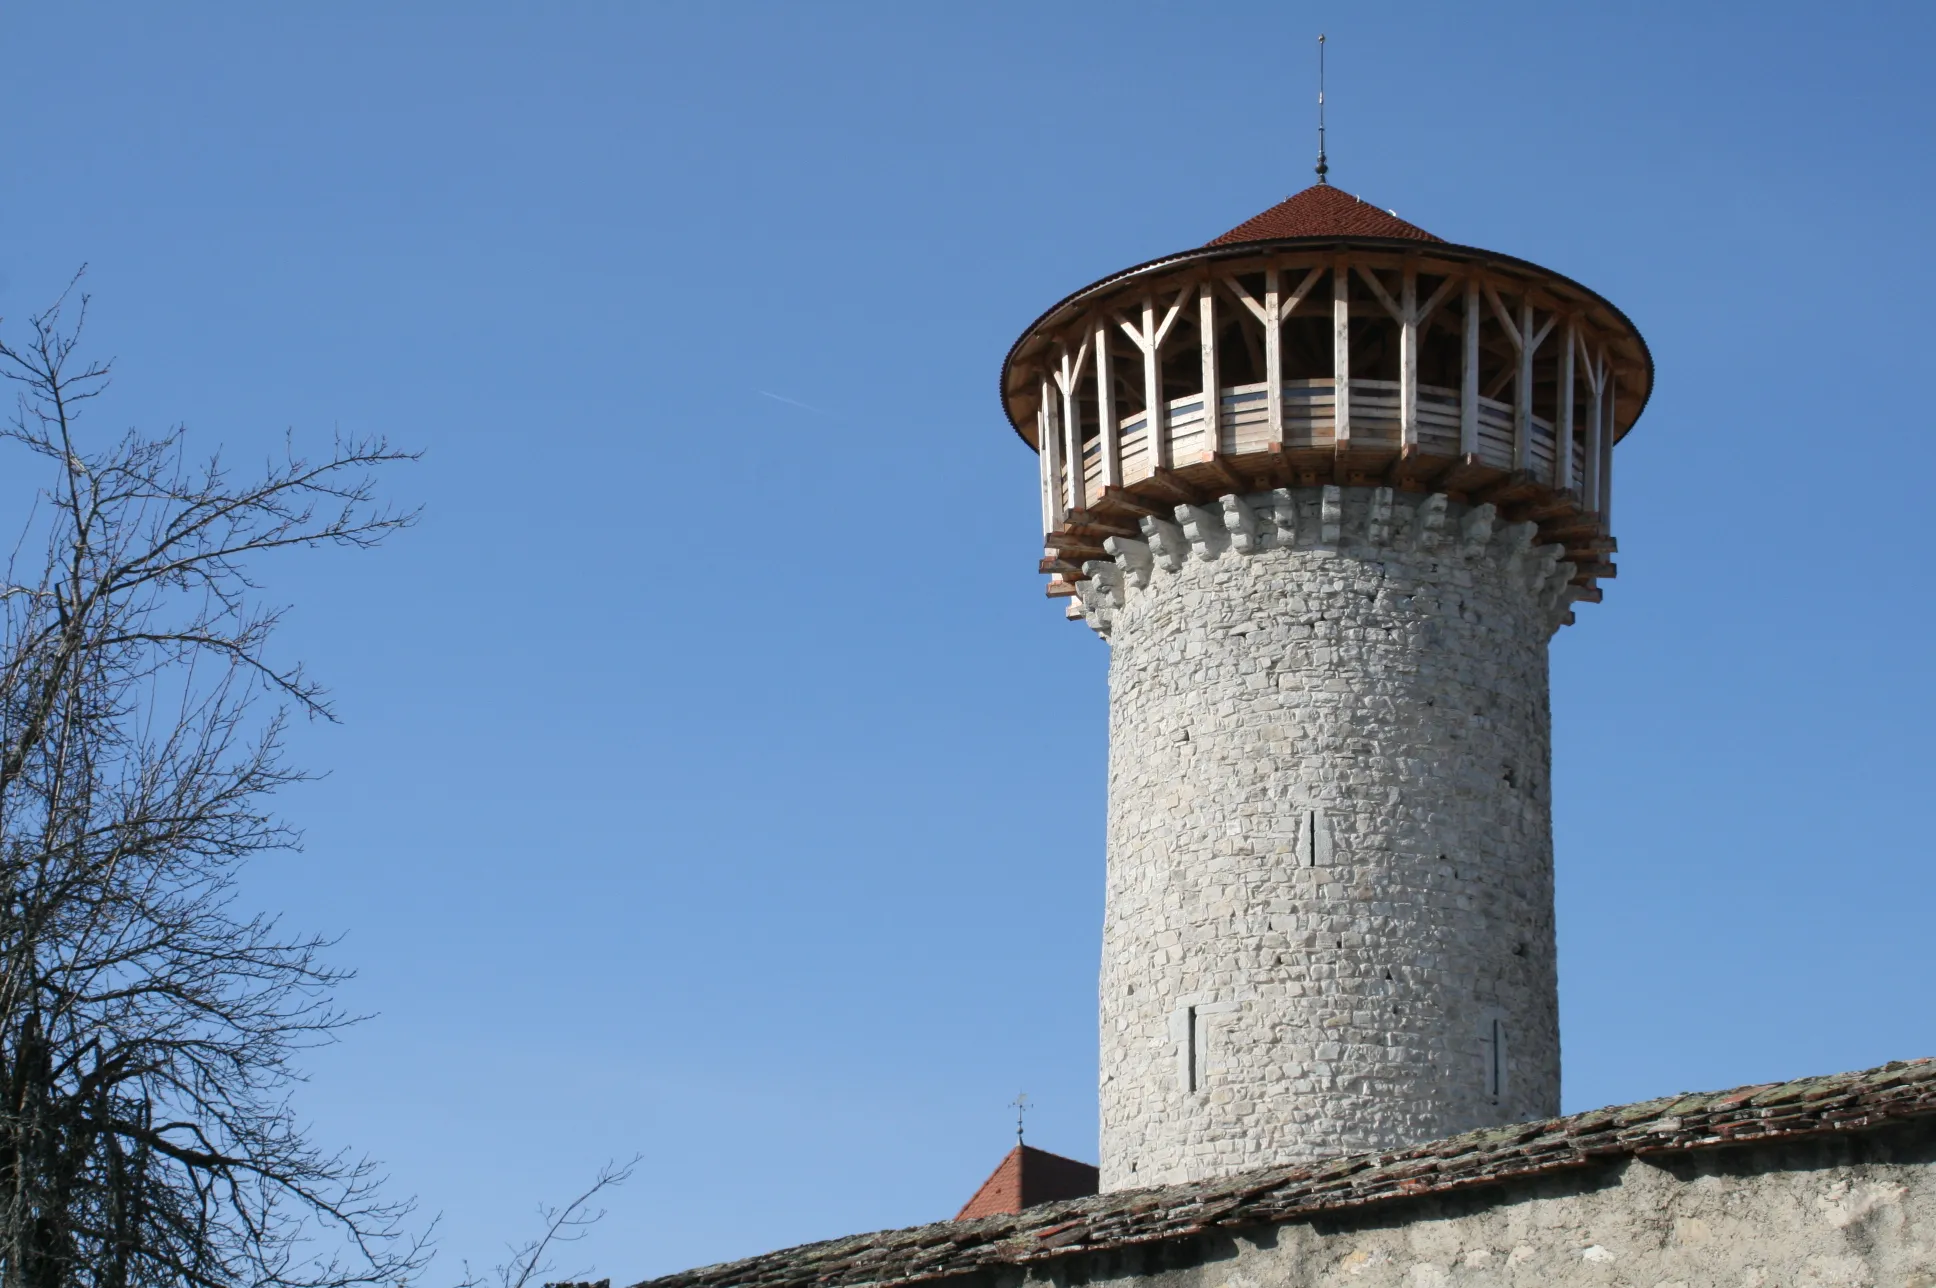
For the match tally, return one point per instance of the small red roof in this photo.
(1029, 1176)
(1322, 211)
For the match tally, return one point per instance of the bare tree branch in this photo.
(560, 1225)
(147, 1028)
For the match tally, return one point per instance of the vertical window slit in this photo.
(1191, 1055)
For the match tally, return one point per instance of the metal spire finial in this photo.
(1020, 1106)
(1323, 168)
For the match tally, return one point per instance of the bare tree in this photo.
(147, 1023)
(561, 1225)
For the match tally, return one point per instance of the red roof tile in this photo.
(1778, 1113)
(1029, 1176)
(1322, 211)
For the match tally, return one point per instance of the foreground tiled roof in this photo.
(1777, 1110)
(1322, 211)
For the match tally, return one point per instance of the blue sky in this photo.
(715, 782)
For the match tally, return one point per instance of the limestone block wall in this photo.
(1329, 920)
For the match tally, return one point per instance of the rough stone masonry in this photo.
(1329, 918)
(1816, 1181)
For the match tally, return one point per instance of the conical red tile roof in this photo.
(1029, 1176)
(1322, 211)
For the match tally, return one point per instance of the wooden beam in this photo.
(1277, 465)
(1051, 433)
(1153, 426)
(1398, 312)
(1507, 375)
(1468, 471)
(1408, 359)
(1341, 353)
(1506, 323)
(1236, 288)
(1411, 467)
(1168, 480)
(1423, 313)
(1092, 524)
(1569, 530)
(1607, 434)
(1068, 380)
(1303, 289)
(1042, 467)
(1112, 430)
(1169, 319)
(1469, 382)
(1220, 466)
(1125, 500)
(1523, 392)
(1273, 357)
(1072, 452)
(1596, 369)
(1561, 502)
(1539, 337)
(1212, 388)
(1517, 481)
(1563, 422)
(1592, 546)
(1074, 548)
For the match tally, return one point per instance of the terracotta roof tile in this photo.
(1322, 211)
(1026, 1177)
(1893, 1092)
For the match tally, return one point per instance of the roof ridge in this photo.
(1786, 1110)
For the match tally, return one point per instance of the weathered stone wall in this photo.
(1856, 1211)
(1329, 921)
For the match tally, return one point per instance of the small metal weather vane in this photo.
(1323, 167)
(1020, 1106)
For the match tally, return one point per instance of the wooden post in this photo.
(1408, 359)
(1608, 433)
(1051, 433)
(1596, 385)
(1590, 492)
(1153, 381)
(1068, 380)
(1112, 431)
(1149, 338)
(1469, 382)
(1042, 462)
(1270, 315)
(1523, 390)
(1212, 389)
(1072, 448)
(1563, 422)
(1341, 354)
(1273, 356)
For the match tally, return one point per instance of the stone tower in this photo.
(1329, 920)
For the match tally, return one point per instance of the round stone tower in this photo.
(1327, 485)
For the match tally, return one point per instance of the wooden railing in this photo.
(1243, 426)
(1515, 339)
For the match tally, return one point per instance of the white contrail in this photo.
(791, 402)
